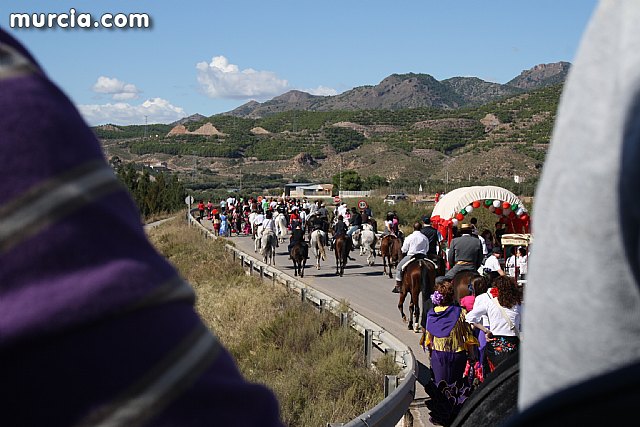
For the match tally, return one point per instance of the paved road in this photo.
(368, 292)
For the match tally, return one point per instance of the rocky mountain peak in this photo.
(541, 75)
(410, 90)
(192, 118)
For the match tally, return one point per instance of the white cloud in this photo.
(322, 91)
(220, 79)
(157, 110)
(119, 90)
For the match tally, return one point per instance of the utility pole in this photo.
(340, 176)
(446, 182)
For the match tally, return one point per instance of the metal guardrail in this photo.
(390, 410)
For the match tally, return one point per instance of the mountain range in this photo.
(475, 131)
(410, 90)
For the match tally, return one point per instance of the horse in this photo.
(281, 226)
(257, 243)
(390, 250)
(366, 241)
(419, 276)
(342, 247)
(318, 242)
(461, 284)
(299, 257)
(374, 224)
(268, 249)
(308, 225)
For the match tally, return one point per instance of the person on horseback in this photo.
(316, 222)
(416, 243)
(323, 215)
(297, 236)
(434, 238)
(388, 224)
(269, 225)
(257, 221)
(294, 217)
(492, 265)
(465, 252)
(355, 223)
(339, 228)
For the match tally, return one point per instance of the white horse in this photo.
(318, 241)
(257, 243)
(281, 226)
(366, 240)
(268, 249)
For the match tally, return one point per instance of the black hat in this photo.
(496, 250)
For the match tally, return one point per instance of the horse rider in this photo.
(492, 265)
(465, 252)
(355, 223)
(257, 221)
(304, 214)
(323, 215)
(317, 222)
(269, 225)
(395, 226)
(434, 238)
(415, 243)
(294, 217)
(388, 225)
(367, 218)
(313, 207)
(340, 228)
(297, 236)
(342, 210)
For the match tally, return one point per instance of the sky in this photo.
(209, 57)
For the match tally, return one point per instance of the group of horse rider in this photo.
(423, 242)
(302, 217)
(465, 252)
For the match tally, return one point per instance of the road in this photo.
(367, 291)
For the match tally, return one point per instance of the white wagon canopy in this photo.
(454, 206)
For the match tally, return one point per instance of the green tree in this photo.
(373, 182)
(142, 193)
(351, 181)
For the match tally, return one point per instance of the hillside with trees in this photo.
(486, 143)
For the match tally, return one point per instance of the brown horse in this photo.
(390, 250)
(299, 253)
(419, 276)
(342, 247)
(461, 284)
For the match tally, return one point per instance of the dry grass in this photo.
(158, 216)
(315, 367)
